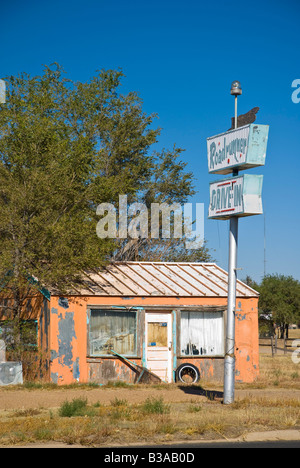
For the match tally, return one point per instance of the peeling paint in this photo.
(63, 302)
(76, 372)
(53, 354)
(66, 334)
(54, 377)
(241, 317)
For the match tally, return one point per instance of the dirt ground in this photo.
(13, 399)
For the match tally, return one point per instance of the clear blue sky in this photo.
(181, 57)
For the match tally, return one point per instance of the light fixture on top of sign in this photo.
(236, 89)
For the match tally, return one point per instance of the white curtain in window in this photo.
(202, 333)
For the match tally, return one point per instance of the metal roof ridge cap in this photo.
(124, 262)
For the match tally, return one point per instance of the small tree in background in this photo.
(280, 300)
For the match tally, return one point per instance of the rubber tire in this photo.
(188, 368)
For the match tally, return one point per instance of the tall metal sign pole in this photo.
(238, 196)
(229, 367)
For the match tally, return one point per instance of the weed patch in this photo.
(76, 407)
(155, 406)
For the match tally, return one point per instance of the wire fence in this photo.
(275, 345)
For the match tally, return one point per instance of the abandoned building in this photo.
(132, 316)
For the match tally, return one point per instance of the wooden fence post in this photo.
(272, 346)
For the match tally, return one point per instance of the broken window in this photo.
(112, 330)
(202, 333)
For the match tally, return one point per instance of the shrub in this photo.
(155, 406)
(76, 407)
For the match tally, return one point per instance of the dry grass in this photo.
(158, 420)
(278, 371)
(132, 423)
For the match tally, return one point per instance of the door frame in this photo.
(162, 316)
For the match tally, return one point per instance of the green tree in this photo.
(250, 282)
(280, 300)
(66, 147)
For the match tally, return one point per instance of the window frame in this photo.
(203, 356)
(111, 309)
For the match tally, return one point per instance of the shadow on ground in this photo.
(197, 390)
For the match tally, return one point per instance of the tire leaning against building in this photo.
(187, 373)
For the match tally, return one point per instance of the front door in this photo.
(159, 344)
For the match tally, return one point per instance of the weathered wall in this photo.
(36, 307)
(69, 341)
(210, 368)
(104, 370)
(247, 345)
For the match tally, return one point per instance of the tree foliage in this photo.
(66, 147)
(280, 299)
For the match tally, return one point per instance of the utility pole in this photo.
(229, 367)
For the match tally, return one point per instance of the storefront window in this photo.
(202, 333)
(112, 330)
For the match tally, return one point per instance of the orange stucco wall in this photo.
(246, 340)
(68, 341)
(69, 361)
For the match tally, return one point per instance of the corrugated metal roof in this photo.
(160, 279)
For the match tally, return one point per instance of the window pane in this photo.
(202, 333)
(158, 334)
(112, 330)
